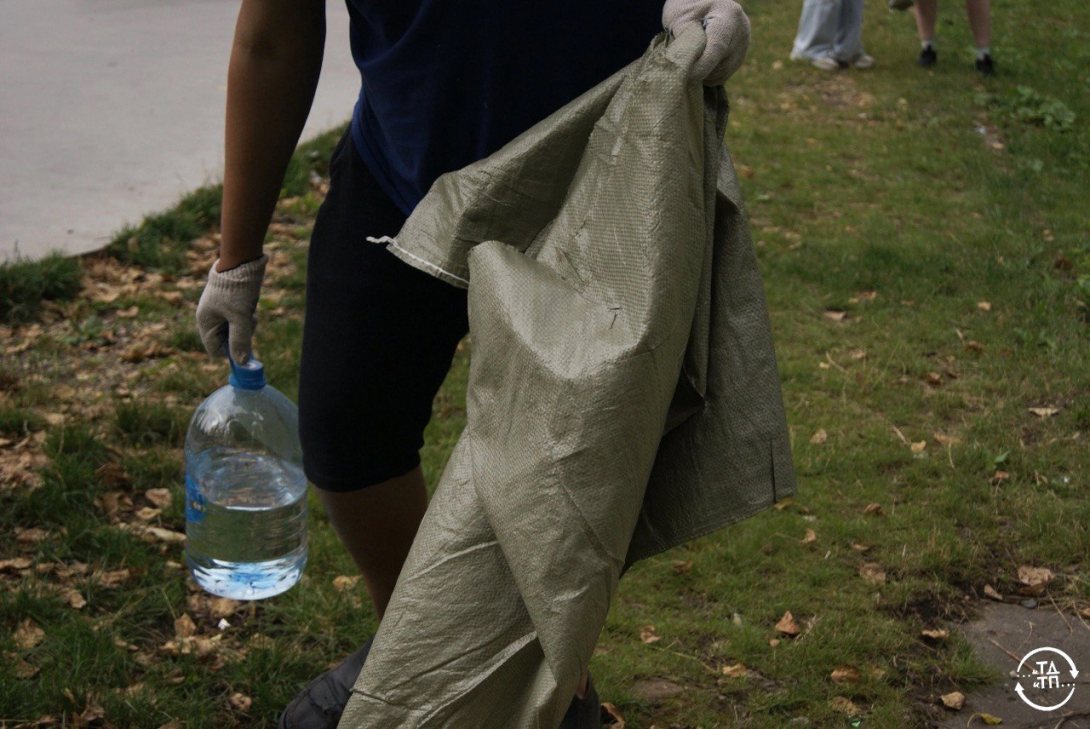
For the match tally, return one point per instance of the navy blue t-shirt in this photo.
(448, 82)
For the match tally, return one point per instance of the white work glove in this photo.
(726, 27)
(227, 311)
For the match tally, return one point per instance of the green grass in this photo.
(874, 194)
(25, 284)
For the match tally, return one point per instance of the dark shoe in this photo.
(321, 703)
(985, 65)
(928, 57)
(584, 713)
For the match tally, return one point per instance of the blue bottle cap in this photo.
(249, 376)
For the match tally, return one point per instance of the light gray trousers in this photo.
(830, 29)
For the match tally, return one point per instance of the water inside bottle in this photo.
(246, 523)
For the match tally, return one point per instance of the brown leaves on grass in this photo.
(819, 437)
(649, 635)
(1034, 580)
(873, 573)
(845, 674)
(787, 625)
(935, 634)
(240, 702)
(954, 700)
(874, 509)
(611, 717)
(844, 705)
(27, 635)
(345, 582)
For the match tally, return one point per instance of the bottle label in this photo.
(194, 501)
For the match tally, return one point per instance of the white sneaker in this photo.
(825, 63)
(863, 61)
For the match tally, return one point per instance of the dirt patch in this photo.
(1001, 637)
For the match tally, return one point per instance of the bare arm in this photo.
(275, 61)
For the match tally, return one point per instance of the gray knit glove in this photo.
(726, 27)
(227, 311)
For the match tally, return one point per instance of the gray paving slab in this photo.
(113, 109)
(1003, 636)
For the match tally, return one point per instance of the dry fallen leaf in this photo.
(989, 591)
(919, 446)
(989, 719)
(28, 634)
(953, 700)
(783, 503)
(984, 305)
(165, 535)
(112, 474)
(787, 624)
(113, 578)
(147, 513)
(345, 582)
(648, 634)
(735, 670)
(1034, 579)
(873, 573)
(857, 354)
(861, 547)
(875, 509)
(184, 627)
(935, 633)
(15, 564)
(819, 437)
(811, 536)
(612, 718)
(946, 440)
(774, 642)
(30, 535)
(1044, 412)
(159, 497)
(73, 597)
(240, 702)
(24, 670)
(683, 567)
(1085, 612)
(834, 315)
(222, 607)
(844, 705)
(845, 674)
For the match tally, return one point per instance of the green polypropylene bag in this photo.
(623, 395)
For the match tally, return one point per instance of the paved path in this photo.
(113, 109)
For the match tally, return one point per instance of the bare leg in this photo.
(927, 13)
(377, 525)
(980, 21)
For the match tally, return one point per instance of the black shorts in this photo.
(378, 338)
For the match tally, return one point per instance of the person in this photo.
(830, 35)
(980, 22)
(442, 84)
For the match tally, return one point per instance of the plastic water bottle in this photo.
(246, 506)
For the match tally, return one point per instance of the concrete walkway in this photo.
(113, 109)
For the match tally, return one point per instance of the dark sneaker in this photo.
(928, 57)
(985, 65)
(321, 703)
(584, 713)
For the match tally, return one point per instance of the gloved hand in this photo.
(228, 308)
(726, 27)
